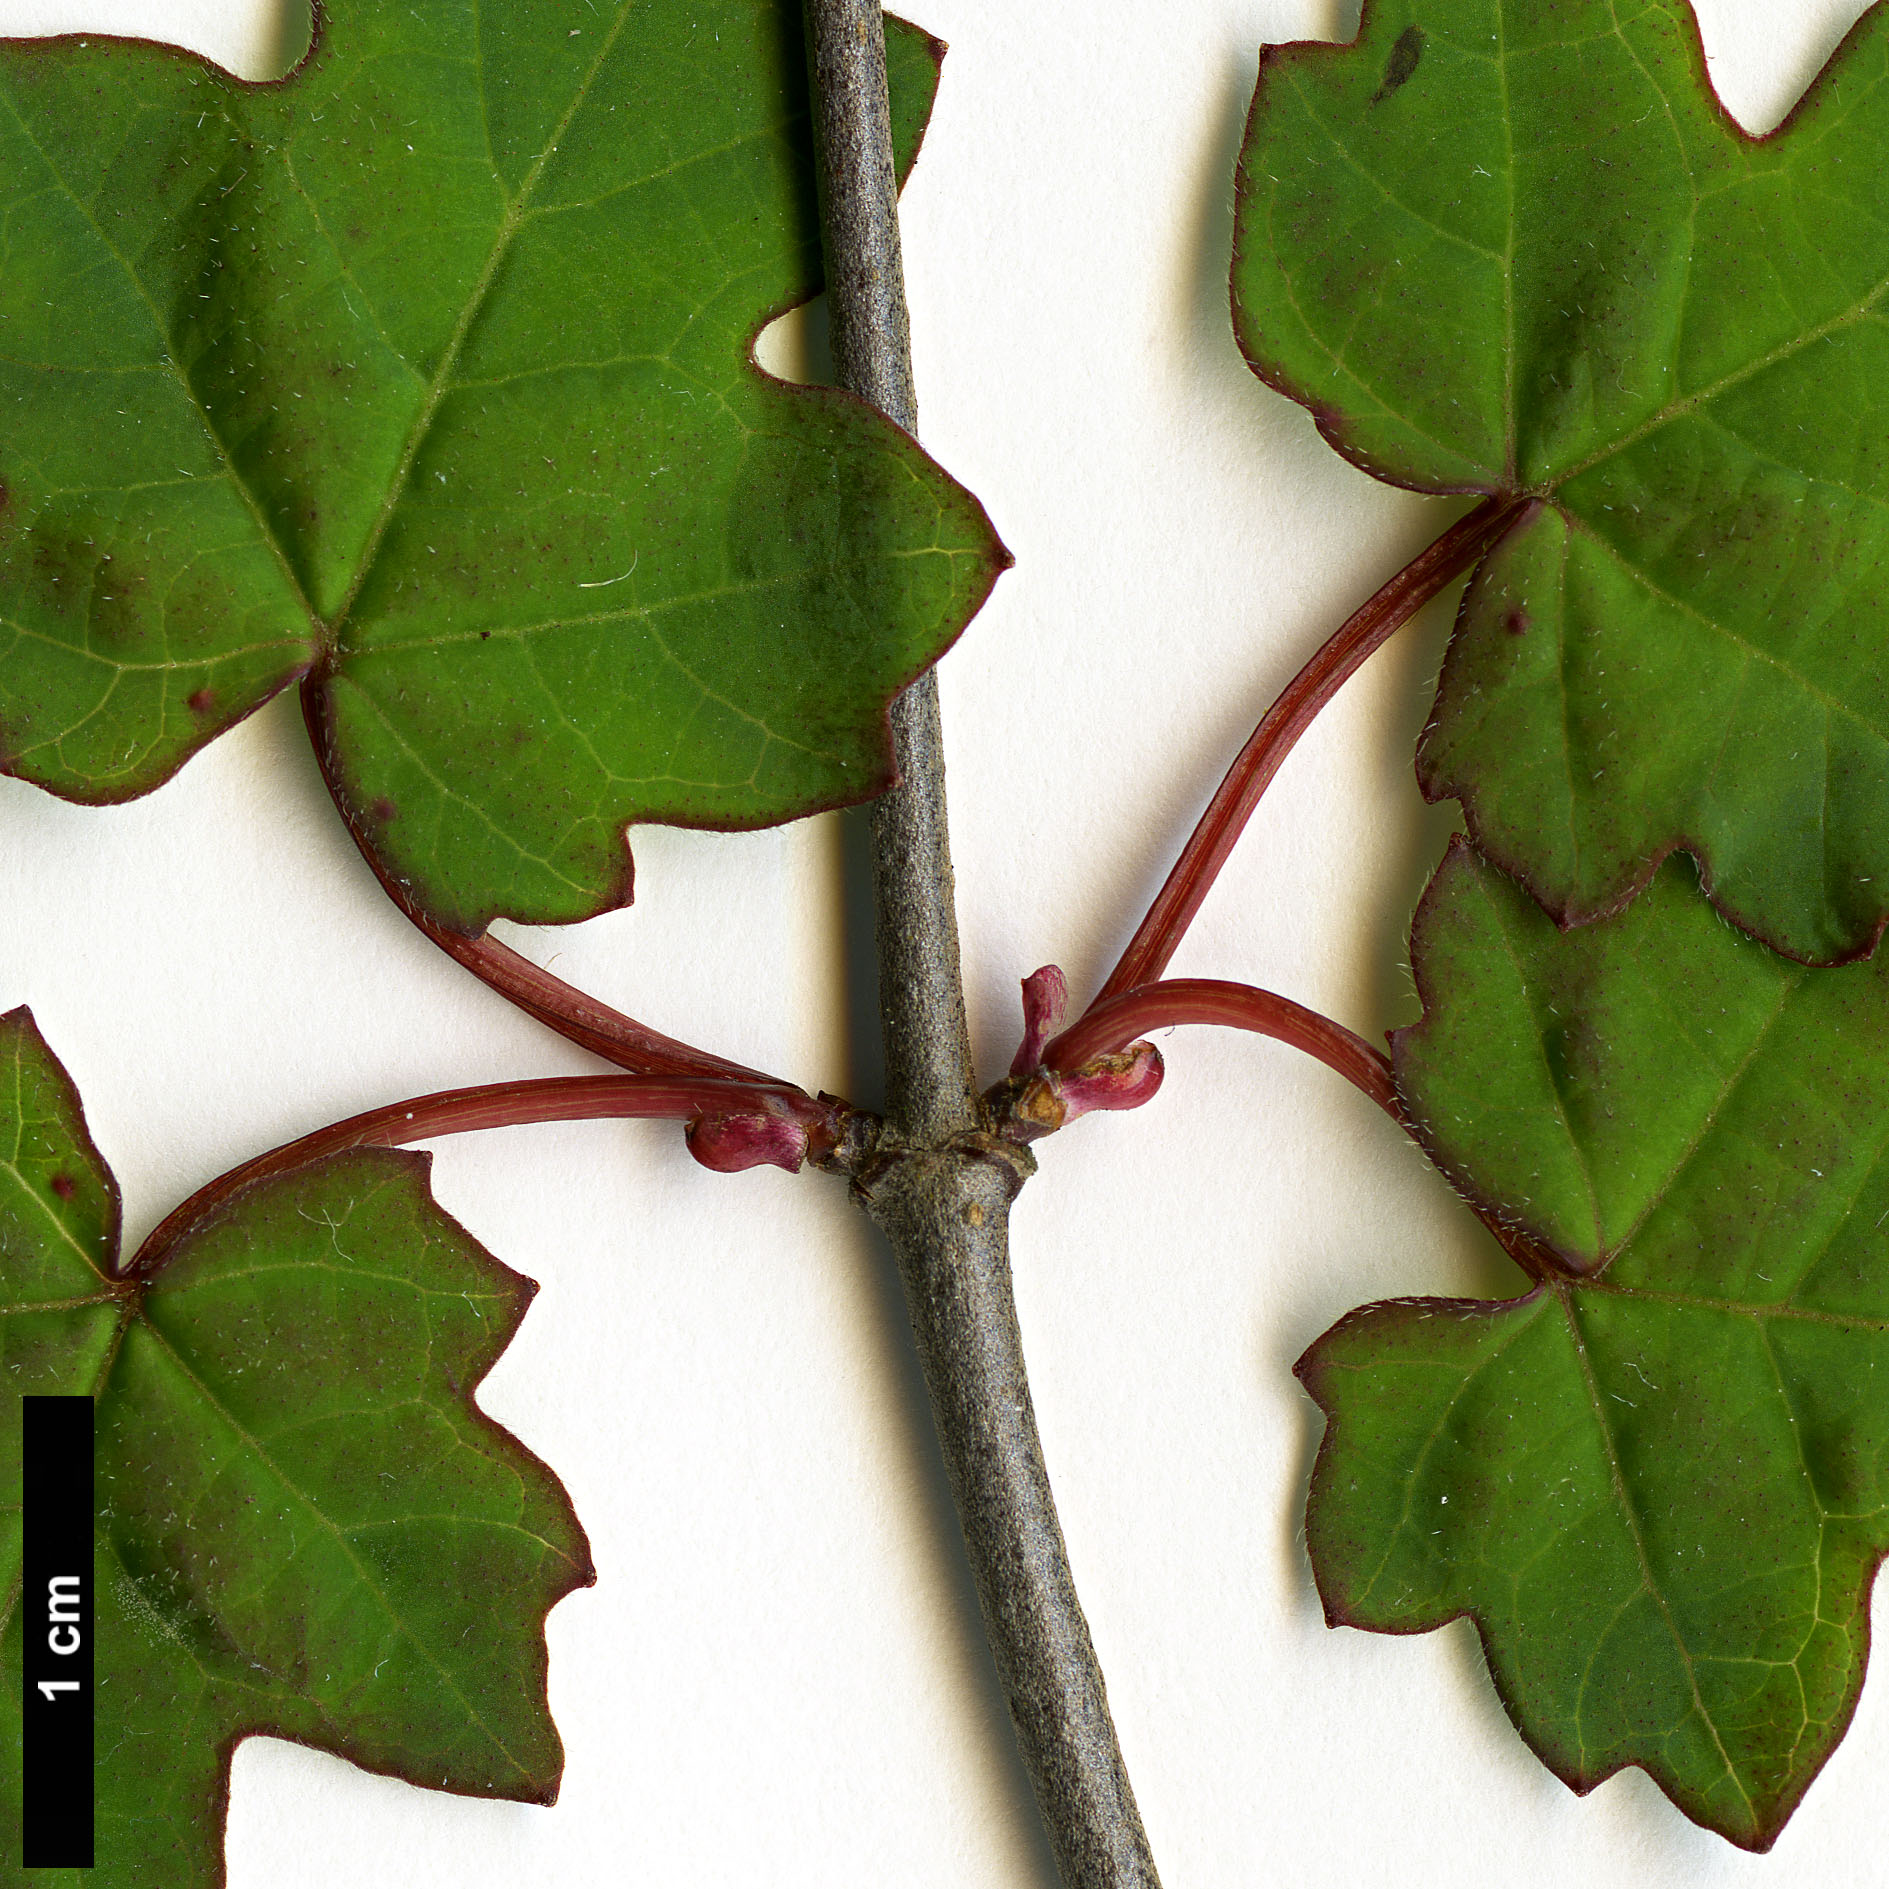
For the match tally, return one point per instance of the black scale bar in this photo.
(56, 1614)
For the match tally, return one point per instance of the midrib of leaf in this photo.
(516, 210)
(643, 613)
(1511, 417)
(32, 1193)
(1689, 403)
(112, 1350)
(1632, 1519)
(680, 600)
(1675, 409)
(453, 797)
(1382, 188)
(169, 364)
(1692, 193)
(362, 1573)
(1823, 1522)
(1678, 408)
(59, 1305)
(1563, 651)
(65, 1233)
(154, 1618)
(1727, 1089)
(286, 150)
(26, 634)
(1824, 1519)
(1554, 1081)
(1290, 289)
(1436, 1431)
(98, 1390)
(1757, 1310)
(1830, 703)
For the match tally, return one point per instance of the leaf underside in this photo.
(426, 374)
(1518, 247)
(306, 1527)
(1659, 1483)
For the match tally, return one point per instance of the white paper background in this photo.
(779, 1678)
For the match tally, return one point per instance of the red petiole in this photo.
(1463, 545)
(580, 1017)
(728, 1105)
(691, 1099)
(1112, 1023)
(573, 1013)
(1135, 1000)
(736, 1117)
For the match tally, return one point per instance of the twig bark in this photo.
(941, 1184)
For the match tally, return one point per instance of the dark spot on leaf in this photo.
(6, 497)
(1560, 1050)
(200, 701)
(64, 1186)
(1516, 621)
(384, 809)
(67, 580)
(1401, 64)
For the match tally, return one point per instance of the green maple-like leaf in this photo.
(1660, 1482)
(306, 1528)
(427, 373)
(1517, 246)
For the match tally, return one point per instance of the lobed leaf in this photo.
(1518, 247)
(306, 1527)
(427, 374)
(1659, 1483)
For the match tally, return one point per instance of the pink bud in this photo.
(1040, 1104)
(1126, 1079)
(730, 1143)
(1045, 997)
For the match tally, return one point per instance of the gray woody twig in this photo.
(942, 1183)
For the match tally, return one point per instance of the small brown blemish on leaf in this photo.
(1401, 64)
(384, 809)
(1516, 622)
(200, 701)
(64, 1186)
